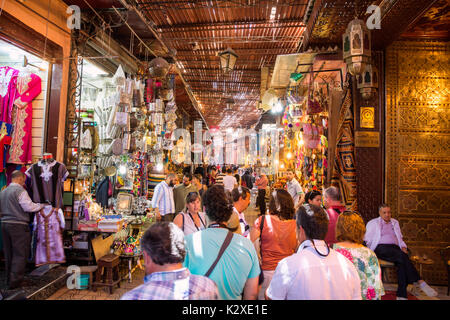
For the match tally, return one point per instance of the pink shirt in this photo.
(387, 234)
(262, 182)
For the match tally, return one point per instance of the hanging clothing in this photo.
(102, 193)
(28, 88)
(49, 223)
(5, 141)
(8, 80)
(47, 182)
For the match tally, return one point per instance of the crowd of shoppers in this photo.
(298, 247)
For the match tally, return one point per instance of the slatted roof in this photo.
(198, 30)
(257, 30)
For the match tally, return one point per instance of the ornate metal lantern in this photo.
(158, 67)
(356, 46)
(367, 82)
(227, 60)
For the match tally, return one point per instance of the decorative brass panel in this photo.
(418, 147)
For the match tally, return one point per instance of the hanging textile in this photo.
(49, 224)
(28, 88)
(8, 80)
(47, 182)
(344, 173)
(5, 141)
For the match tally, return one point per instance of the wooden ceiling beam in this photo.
(232, 25)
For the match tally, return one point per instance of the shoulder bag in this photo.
(224, 246)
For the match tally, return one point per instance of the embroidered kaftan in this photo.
(49, 223)
(47, 182)
(28, 88)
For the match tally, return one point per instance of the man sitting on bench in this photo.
(384, 237)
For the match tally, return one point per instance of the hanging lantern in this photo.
(227, 60)
(367, 82)
(356, 46)
(158, 68)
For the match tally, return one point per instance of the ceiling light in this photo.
(227, 60)
(272, 13)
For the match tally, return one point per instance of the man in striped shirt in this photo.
(219, 177)
(162, 199)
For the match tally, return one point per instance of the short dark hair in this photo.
(229, 171)
(332, 193)
(164, 243)
(198, 176)
(281, 204)
(383, 205)
(311, 195)
(17, 174)
(188, 175)
(238, 192)
(218, 204)
(314, 220)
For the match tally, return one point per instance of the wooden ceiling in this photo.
(258, 30)
(198, 30)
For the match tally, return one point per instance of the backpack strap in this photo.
(182, 226)
(224, 246)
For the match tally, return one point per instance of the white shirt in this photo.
(163, 199)
(189, 225)
(243, 223)
(305, 275)
(26, 203)
(229, 182)
(373, 233)
(295, 190)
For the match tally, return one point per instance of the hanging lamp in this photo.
(356, 46)
(367, 81)
(227, 59)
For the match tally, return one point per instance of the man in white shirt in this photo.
(15, 208)
(315, 272)
(163, 200)
(294, 188)
(229, 181)
(384, 237)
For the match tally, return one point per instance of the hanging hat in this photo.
(110, 171)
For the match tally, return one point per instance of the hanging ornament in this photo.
(356, 46)
(367, 82)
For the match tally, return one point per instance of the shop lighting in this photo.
(227, 60)
(122, 170)
(289, 155)
(282, 166)
(272, 13)
(159, 167)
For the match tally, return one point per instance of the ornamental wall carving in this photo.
(417, 182)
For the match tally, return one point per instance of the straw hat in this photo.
(110, 171)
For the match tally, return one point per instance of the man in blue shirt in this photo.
(237, 271)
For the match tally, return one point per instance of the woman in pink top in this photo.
(278, 239)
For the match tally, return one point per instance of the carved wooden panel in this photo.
(418, 147)
(369, 161)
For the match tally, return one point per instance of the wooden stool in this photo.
(108, 266)
(90, 271)
(383, 265)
